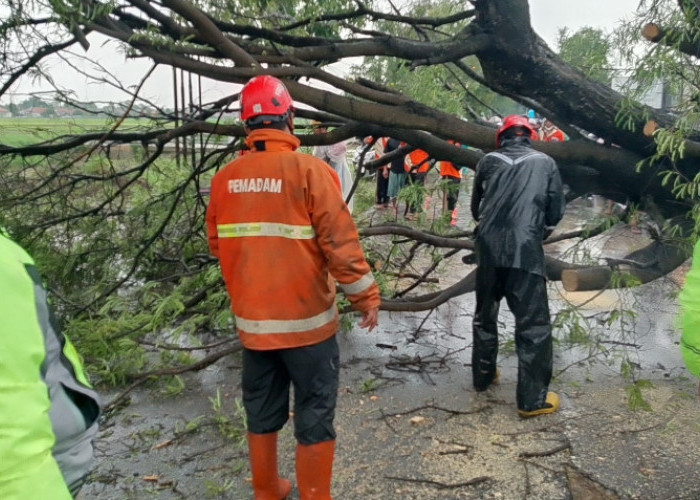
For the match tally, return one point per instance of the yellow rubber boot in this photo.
(497, 377)
(551, 404)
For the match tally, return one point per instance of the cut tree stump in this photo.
(641, 266)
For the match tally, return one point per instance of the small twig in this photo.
(528, 488)
(386, 346)
(415, 334)
(545, 430)
(438, 484)
(547, 453)
(628, 431)
(192, 456)
(579, 361)
(433, 407)
(632, 431)
(454, 452)
(387, 421)
(616, 342)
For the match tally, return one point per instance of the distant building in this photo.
(5, 113)
(66, 111)
(658, 96)
(36, 112)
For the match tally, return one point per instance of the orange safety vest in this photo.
(379, 147)
(447, 168)
(279, 225)
(417, 157)
(555, 135)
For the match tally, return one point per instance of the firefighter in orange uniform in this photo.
(417, 166)
(452, 177)
(550, 133)
(279, 225)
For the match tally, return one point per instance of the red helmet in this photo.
(265, 99)
(514, 121)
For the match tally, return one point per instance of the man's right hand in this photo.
(370, 319)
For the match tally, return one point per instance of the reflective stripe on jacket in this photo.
(48, 412)
(283, 234)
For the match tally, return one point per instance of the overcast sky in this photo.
(547, 16)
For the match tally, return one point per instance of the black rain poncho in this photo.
(517, 196)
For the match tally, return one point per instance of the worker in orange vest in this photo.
(451, 177)
(417, 165)
(551, 133)
(283, 235)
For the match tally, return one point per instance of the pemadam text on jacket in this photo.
(255, 185)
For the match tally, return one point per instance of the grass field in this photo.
(22, 131)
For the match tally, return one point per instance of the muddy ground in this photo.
(410, 426)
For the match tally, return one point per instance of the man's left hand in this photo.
(370, 319)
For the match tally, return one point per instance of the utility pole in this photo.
(193, 152)
(177, 119)
(184, 113)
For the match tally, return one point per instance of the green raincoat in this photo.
(690, 303)
(48, 412)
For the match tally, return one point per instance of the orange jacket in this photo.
(280, 228)
(379, 147)
(554, 135)
(447, 168)
(417, 157)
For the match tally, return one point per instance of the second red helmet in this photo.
(265, 98)
(514, 121)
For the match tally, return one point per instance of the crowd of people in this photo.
(411, 168)
(280, 223)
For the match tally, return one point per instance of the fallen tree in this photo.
(115, 236)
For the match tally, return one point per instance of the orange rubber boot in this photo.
(267, 484)
(314, 470)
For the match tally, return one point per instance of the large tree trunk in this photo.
(520, 64)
